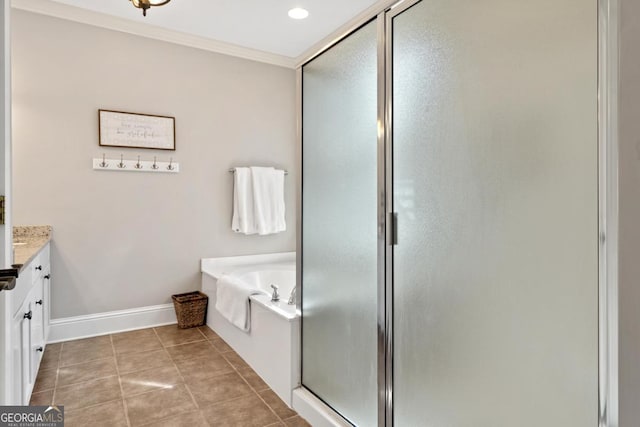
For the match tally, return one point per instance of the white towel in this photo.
(232, 300)
(243, 213)
(268, 200)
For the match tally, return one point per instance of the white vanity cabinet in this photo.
(28, 306)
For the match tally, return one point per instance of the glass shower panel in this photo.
(495, 185)
(339, 226)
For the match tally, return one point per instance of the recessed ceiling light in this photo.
(298, 13)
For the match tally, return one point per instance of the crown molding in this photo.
(85, 16)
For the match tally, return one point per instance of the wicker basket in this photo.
(191, 309)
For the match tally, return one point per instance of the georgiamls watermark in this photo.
(31, 416)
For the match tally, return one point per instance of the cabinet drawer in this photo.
(36, 268)
(40, 264)
(23, 286)
(45, 257)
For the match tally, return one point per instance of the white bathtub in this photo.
(271, 347)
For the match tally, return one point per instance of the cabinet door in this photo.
(37, 326)
(23, 376)
(46, 305)
(15, 373)
(28, 379)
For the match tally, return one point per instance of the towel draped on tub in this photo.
(232, 300)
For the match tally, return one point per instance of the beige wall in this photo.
(629, 272)
(125, 240)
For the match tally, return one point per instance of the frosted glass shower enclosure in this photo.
(449, 244)
(339, 301)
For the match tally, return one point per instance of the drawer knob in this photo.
(28, 315)
(40, 349)
(48, 276)
(39, 302)
(39, 268)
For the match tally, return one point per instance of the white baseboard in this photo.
(92, 325)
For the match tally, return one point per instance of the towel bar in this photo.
(232, 170)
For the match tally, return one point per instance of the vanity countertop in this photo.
(28, 241)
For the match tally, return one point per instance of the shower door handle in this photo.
(392, 224)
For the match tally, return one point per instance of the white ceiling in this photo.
(257, 24)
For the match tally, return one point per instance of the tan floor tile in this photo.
(46, 380)
(149, 380)
(243, 412)
(189, 419)
(221, 345)
(253, 379)
(279, 407)
(151, 407)
(136, 341)
(191, 350)
(85, 343)
(105, 415)
(44, 398)
(85, 350)
(86, 371)
(89, 393)
(50, 359)
(172, 335)
(208, 391)
(278, 424)
(54, 347)
(296, 421)
(131, 362)
(204, 367)
(237, 361)
(208, 333)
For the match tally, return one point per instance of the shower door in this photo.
(495, 186)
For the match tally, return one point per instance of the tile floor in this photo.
(157, 377)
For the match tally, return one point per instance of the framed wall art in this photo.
(135, 130)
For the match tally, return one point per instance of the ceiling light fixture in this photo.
(147, 4)
(298, 13)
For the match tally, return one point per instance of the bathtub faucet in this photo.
(292, 297)
(276, 295)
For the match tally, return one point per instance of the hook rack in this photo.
(135, 165)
